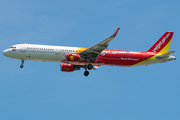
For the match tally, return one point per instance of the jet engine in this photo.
(65, 67)
(73, 57)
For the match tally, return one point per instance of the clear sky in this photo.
(40, 91)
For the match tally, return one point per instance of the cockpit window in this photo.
(12, 47)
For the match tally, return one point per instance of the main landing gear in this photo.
(86, 73)
(22, 64)
(89, 67)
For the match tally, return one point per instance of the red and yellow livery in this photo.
(74, 58)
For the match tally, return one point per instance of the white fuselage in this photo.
(38, 52)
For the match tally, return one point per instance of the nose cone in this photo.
(5, 53)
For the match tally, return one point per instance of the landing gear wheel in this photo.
(86, 73)
(90, 67)
(21, 66)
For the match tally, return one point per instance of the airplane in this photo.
(74, 58)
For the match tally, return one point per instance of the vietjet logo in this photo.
(71, 57)
(158, 46)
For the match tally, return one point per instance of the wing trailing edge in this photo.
(92, 52)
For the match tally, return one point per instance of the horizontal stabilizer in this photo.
(166, 55)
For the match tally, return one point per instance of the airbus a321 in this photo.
(74, 58)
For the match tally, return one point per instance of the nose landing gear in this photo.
(22, 65)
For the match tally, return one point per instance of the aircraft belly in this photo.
(46, 57)
(40, 56)
(153, 62)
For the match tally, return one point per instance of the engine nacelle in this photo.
(73, 57)
(65, 67)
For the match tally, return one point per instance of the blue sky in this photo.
(41, 91)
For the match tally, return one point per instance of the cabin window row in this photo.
(40, 49)
(120, 54)
(49, 49)
(67, 50)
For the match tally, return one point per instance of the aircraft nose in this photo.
(5, 52)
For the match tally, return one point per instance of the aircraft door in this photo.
(23, 48)
(58, 54)
(145, 56)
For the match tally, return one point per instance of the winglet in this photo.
(115, 33)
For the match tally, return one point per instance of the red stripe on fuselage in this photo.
(123, 58)
(118, 58)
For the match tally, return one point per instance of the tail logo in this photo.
(158, 46)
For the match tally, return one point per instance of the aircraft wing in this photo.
(166, 55)
(92, 52)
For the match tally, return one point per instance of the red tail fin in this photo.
(162, 45)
